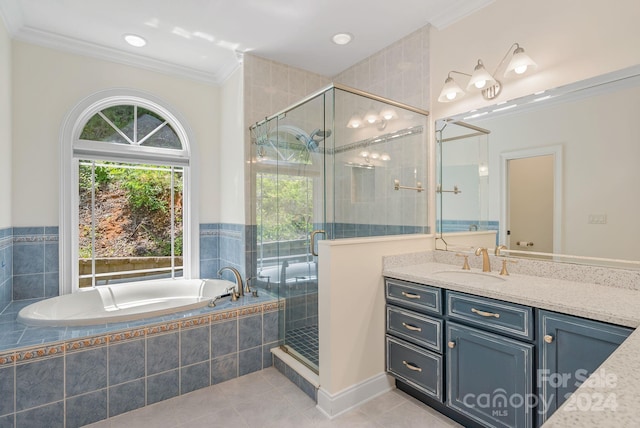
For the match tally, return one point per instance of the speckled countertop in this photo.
(589, 300)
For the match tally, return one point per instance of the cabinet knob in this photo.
(451, 344)
(548, 338)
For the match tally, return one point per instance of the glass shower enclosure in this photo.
(339, 164)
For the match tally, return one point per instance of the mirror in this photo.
(589, 134)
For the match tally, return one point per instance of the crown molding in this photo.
(456, 10)
(80, 47)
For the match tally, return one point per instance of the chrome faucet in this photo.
(486, 263)
(239, 284)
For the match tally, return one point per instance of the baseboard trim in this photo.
(333, 405)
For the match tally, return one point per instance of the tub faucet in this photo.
(239, 284)
(486, 263)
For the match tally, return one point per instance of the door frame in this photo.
(505, 157)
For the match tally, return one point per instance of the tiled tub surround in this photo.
(6, 267)
(35, 262)
(84, 377)
(609, 295)
(29, 267)
(222, 244)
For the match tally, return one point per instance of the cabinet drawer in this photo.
(417, 367)
(415, 296)
(418, 329)
(502, 317)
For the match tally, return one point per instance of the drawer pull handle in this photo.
(410, 295)
(411, 327)
(484, 314)
(548, 338)
(451, 344)
(412, 367)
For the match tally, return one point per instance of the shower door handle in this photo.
(312, 241)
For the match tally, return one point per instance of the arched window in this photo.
(126, 193)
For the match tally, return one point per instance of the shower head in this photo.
(316, 138)
(322, 134)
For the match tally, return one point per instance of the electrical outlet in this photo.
(597, 219)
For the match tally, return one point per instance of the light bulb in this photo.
(451, 95)
(371, 116)
(354, 122)
(480, 84)
(521, 69)
(388, 114)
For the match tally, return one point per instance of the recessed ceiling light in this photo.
(342, 38)
(135, 40)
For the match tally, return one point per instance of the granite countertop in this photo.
(588, 300)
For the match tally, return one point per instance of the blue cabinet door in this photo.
(489, 377)
(569, 350)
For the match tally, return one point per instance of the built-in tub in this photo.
(289, 273)
(124, 302)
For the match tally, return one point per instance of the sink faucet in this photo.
(239, 285)
(486, 263)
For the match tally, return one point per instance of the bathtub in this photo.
(124, 302)
(289, 273)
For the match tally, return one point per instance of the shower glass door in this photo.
(291, 164)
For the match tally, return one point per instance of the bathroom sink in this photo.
(469, 276)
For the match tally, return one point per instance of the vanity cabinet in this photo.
(485, 362)
(489, 375)
(569, 350)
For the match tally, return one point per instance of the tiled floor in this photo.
(268, 399)
(305, 341)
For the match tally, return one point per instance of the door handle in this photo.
(312, 241)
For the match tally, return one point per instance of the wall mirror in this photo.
(556, 174)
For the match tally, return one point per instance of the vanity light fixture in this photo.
(490, 86)
(451, 90)
(388, 114)
(371, 116)
(354, 122)
(135, 40)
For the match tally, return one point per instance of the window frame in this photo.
(74, 149)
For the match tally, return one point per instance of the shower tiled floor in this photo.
(304, 340)
(268, 399)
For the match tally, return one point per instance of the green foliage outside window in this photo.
(285, 208)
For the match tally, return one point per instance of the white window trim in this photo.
(68, 212)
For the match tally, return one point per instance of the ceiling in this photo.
(201, 39)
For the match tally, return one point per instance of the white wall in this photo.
(570, 40)
(351, 307)
(232, 171)
(47, 84)
(5, 127)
